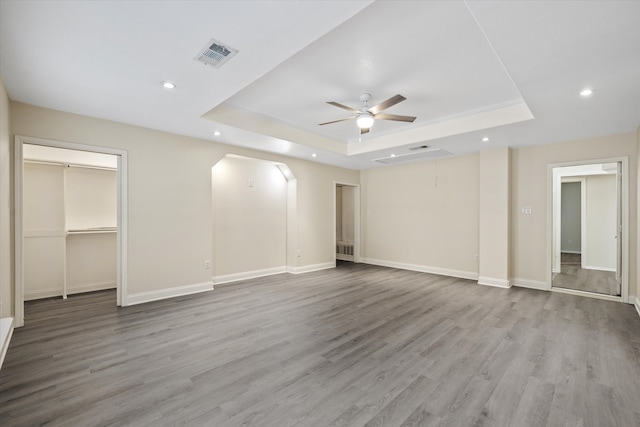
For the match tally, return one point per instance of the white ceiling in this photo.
(507, 70)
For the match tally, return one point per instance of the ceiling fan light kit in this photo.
(365, 116)
(364, 120)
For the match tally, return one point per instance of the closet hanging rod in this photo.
(75, 165)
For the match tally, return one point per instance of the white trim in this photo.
(636, 303)
(6, 332)
(571, 252)
(160, 294)
(226, 278)
(591, 267)
(40, 294)
(586, 294)
(356, 219)
(530, 284)
(497, 283)
(121, 235)
(422, 268)
(624, 160)
(86, 287)
(310, 268)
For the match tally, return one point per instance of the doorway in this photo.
(589, 237)
(347, 222)
(76, 227)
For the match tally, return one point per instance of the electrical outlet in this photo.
(299, 253)
(207, 265)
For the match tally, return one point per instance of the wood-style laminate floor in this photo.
(352, 346)
(573, 276)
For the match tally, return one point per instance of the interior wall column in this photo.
(494, 248)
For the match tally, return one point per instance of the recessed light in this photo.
(314, 155)
(217, 133)
(168, 85)
(485, 139)
(586, 92)
(393, 155)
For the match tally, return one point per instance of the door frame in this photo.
(121, 235)
(624, 207)
(356, 219)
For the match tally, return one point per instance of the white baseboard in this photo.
(587, 294)
(46, 293)
(590, 267)
(497, 283)
(531, 284)
(636, 303)
(178, 291)
(90, 287)
(87, 287)
(422, 268)
(310, 268)
(6, 331)
(227, 278)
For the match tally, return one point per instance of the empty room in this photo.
(319, 213)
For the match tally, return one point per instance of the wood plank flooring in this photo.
(572, 276)
(357, 345)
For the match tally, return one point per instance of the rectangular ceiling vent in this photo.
(422, 154)
(215, 54)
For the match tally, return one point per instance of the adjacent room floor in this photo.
(352, 346)
(573, 276)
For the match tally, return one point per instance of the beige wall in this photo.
(316, 191)
(494, 217)
(419, 214)
(249, 216)
(423, 215)
(6, 229)
(529, 189)
(409, 222)
(170, 204)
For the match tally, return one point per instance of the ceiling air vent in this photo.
(215, 54)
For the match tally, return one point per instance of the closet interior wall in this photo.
(70, 229)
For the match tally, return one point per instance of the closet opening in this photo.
(347, 222)
(69, 221)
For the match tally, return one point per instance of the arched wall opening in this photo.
(254, 218)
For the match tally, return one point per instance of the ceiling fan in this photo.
(366, 116)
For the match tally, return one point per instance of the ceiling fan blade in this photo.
(386, 104)
(395, 117)
(336, 121)
(344, 107)
(364, 130)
